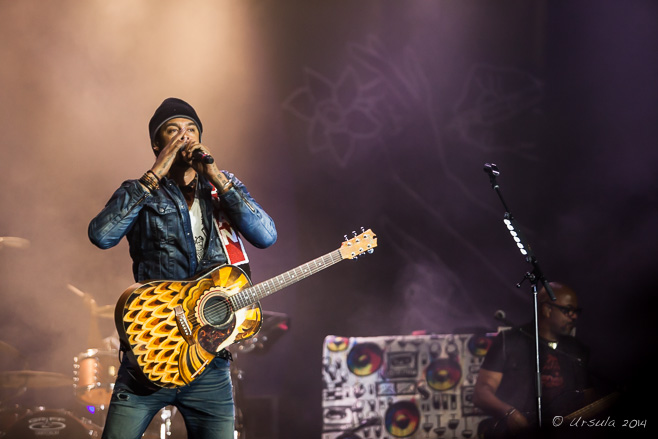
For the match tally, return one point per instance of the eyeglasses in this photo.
(566, 310)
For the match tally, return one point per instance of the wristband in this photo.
(228, 185)
(149, 181)
(155, 176)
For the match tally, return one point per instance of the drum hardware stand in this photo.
(8, 351)
(165, 425)
(533, 276)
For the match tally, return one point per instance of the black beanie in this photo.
(169, 109)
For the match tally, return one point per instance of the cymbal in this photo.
(33, 379)
(14, 241)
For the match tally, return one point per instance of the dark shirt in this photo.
(564, 374)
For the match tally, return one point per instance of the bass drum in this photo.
(59, 424)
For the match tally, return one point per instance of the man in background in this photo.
(506, 384)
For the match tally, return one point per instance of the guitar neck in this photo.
(253, 294)
(594, 408)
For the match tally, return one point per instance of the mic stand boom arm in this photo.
(534, 276)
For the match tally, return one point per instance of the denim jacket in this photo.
(157, 226)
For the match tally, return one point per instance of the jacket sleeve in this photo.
(245, 214)
(118, 215)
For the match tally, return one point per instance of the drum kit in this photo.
(92, 382)
(17, 422)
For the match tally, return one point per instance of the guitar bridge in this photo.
(183, 325)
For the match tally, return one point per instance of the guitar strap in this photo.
(228, 236)
(231, 242)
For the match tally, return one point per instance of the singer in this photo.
(182, 217)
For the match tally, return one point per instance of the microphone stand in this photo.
(534, 276)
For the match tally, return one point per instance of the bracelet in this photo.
(228, 185)
(149, 181)
(155, 176)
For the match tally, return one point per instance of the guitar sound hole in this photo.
(216, 311)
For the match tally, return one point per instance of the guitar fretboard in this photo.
(594, 408)
(253, 294)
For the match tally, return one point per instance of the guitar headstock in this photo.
(365, 242)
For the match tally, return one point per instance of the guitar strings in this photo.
(224, 307)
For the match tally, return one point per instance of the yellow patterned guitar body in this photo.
(168, 355)
(172, 329)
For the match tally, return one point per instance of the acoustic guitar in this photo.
(173, 329)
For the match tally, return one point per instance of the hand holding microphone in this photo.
(202, 157)
(198, 154)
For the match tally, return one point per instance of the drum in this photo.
(59, 424)
(94, 373)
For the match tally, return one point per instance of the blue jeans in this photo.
(206, 405)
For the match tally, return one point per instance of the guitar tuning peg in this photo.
(346, 239)
(353, 232)
(363, 229)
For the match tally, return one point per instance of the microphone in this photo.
(201, 156)
(492, 171)
(501, 317)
